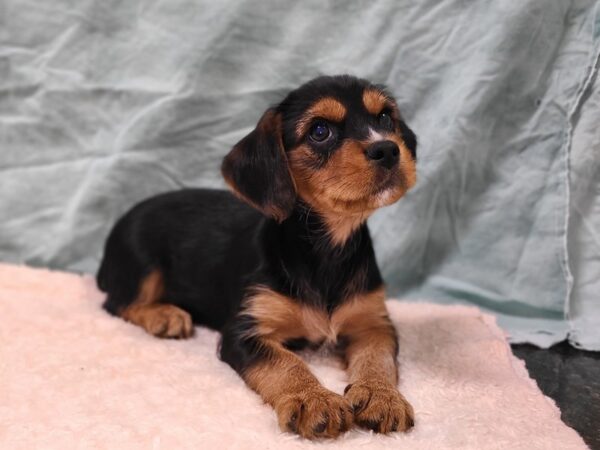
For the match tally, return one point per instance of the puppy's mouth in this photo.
(390, 186)
(386, 179)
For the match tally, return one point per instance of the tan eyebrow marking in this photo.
(327, 108)
(375, 101)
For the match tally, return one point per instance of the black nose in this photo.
(384, 153)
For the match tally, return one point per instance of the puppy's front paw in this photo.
(314, 413)
(379, 407)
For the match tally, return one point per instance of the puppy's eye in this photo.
(385, 120)
(320, 132)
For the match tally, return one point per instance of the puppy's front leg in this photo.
(302, 404)
(253, 345)
(372, 368)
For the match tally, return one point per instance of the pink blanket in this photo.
(71, 376)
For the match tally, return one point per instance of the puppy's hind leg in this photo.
(150, 312)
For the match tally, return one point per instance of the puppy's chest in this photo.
(331, 286)
(313, 326)
(301, 325)
(322, 347)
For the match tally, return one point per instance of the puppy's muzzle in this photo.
(384, 153)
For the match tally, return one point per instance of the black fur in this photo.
(409, 138)
(349, 91)
(211, 247)
(258, 168)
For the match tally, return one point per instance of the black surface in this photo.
(572, 378)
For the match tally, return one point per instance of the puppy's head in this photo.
(338, 143)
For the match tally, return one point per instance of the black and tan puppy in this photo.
(287, 261)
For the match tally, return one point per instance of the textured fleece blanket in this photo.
(106, 102)
(71, 376)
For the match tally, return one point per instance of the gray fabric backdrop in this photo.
(103, 103)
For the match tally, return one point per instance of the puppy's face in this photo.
(338, 143)
(347, 147)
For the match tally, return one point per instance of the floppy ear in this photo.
(257, 169)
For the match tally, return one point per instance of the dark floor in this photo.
(572, 378)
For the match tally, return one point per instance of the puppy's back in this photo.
(188, 236)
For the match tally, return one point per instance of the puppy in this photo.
(286, 261)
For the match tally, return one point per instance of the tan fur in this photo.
(379, 406)
(163, 320)
(375, 101)
(361, 314)
(285, 382)
(326, 108)
(372, 366)
(280, 318)
(341, 227)
(341, 186)
(302, 404)
(151, 289)
(408, 167)
(343, 192)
